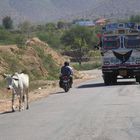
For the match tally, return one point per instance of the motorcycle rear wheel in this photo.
(66, 88)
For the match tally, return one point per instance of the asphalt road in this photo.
(90, 111)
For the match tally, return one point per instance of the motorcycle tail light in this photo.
(65, 77)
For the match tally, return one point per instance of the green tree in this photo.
(51, 38)
(135, 18)
(7, 22)
(50, 27)
(5, 36)
(79, 39)
(60, 25)
(63, 25)
(25, 28)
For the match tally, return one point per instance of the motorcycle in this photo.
(65, 83)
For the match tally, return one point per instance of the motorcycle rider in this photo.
(66, 70)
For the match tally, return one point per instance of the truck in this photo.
(120, 50)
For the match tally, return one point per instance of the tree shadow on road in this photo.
(94, 85)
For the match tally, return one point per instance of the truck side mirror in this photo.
(102, 54)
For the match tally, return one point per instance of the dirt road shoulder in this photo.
(44, 91)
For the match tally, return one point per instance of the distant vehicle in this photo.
(120, 49)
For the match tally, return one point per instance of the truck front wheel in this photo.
(114, 79)
(138, 79)
(107, 79)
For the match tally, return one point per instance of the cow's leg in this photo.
(27, 98)
(21, 106)
(20, 99)
(13, 99)
(23, 100)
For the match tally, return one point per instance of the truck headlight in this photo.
(138, 61)
(106, 62)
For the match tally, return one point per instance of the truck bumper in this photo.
(131, 71)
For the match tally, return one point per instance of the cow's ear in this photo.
(4, 75)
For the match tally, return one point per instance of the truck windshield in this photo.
(111, 42)
(132, 41)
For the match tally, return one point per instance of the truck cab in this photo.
(120, 49)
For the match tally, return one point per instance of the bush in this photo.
(7, 37)
(49, 64)
(52, 38)
(20, 41)
(87, 66)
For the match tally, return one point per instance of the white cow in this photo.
(19, 84)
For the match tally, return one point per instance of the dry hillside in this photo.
(13, 58)
(36, 58)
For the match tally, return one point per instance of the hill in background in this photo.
(54, 10)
